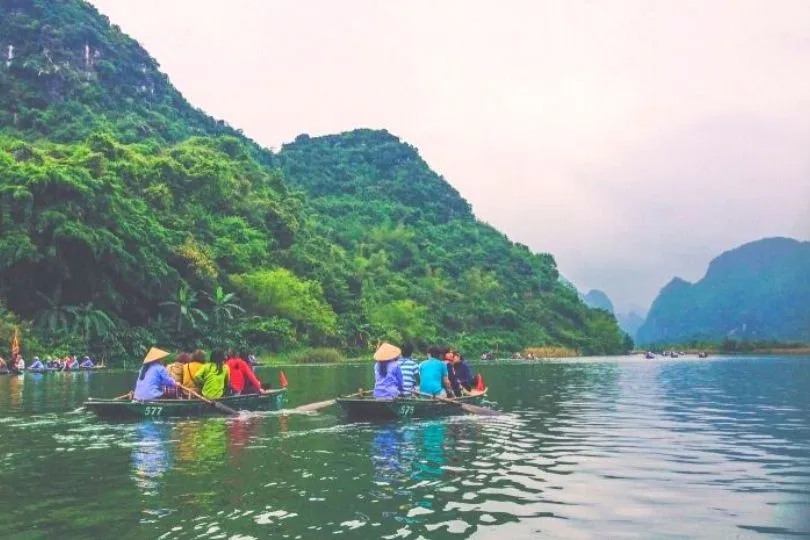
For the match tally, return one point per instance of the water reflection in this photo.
(151, 455)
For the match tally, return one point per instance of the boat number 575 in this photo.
(153, 411)
(406, 410)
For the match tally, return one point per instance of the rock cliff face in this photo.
(758, 291)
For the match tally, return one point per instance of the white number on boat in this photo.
(406, 410)
(153, 411)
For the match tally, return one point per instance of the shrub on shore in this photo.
(551, 352)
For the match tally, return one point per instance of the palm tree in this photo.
(223, 305)
(54, 318)
(184, 308)
(90, 322)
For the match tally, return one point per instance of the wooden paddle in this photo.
(128, 395)
(318, 405)
(472, 409)
(213, 403)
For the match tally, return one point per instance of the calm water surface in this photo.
(716, 448)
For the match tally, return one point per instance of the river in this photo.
(587, 448)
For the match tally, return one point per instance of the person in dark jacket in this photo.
(461, 376)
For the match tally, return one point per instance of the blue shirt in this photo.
(86, 363)
(431, 374)
(410, 369)
(387, 386)
(37, 365)
(151, 386)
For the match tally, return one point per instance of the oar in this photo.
(472, 409)
(217, 404)
(128, 395)
(318, 405)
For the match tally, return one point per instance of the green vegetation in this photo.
(757, 292)
(129, 218)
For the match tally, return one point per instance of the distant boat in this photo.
(702, 354)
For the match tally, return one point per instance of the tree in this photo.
(281, 293)
(223, 306)
(184, 308)
(91, 323)
(54, 318)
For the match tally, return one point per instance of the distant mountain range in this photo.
(628, 322)
(758, 291)
(598, 299)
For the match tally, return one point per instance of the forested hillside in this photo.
(758, 291)
(128, 218)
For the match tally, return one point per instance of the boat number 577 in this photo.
(153, 411)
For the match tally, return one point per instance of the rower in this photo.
(36, 364)
(387, 372)
(86, 363)
(153, 376)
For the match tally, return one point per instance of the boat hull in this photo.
(403, 408)
(113, 409)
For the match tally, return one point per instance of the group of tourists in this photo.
(445, 373)
(68, 363)
(221, 373)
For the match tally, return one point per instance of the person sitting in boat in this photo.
(176, 368)
(19, 363)
(3, 364)
(37, 364)
(433, 379)
(153, 377)
(460, 375)
(410, 369)
(55, 363)
(240, 375)
(191, 368)
(69, 364)
(388, 382)
(212, 378)
(251, 359)
(87, 363)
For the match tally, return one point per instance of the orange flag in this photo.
(15, 344)
(283, 379)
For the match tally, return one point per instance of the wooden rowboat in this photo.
(368, 408)
(116, 409)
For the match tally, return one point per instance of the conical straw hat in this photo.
(386, 352)
(155, 354)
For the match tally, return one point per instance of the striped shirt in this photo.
(410, 369)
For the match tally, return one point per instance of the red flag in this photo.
(15, 344)
(283, 379)
(479, 383)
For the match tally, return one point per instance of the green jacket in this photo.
(212, 384)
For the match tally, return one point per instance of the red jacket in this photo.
(239, 371)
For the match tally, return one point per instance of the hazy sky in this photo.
(633, 139)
